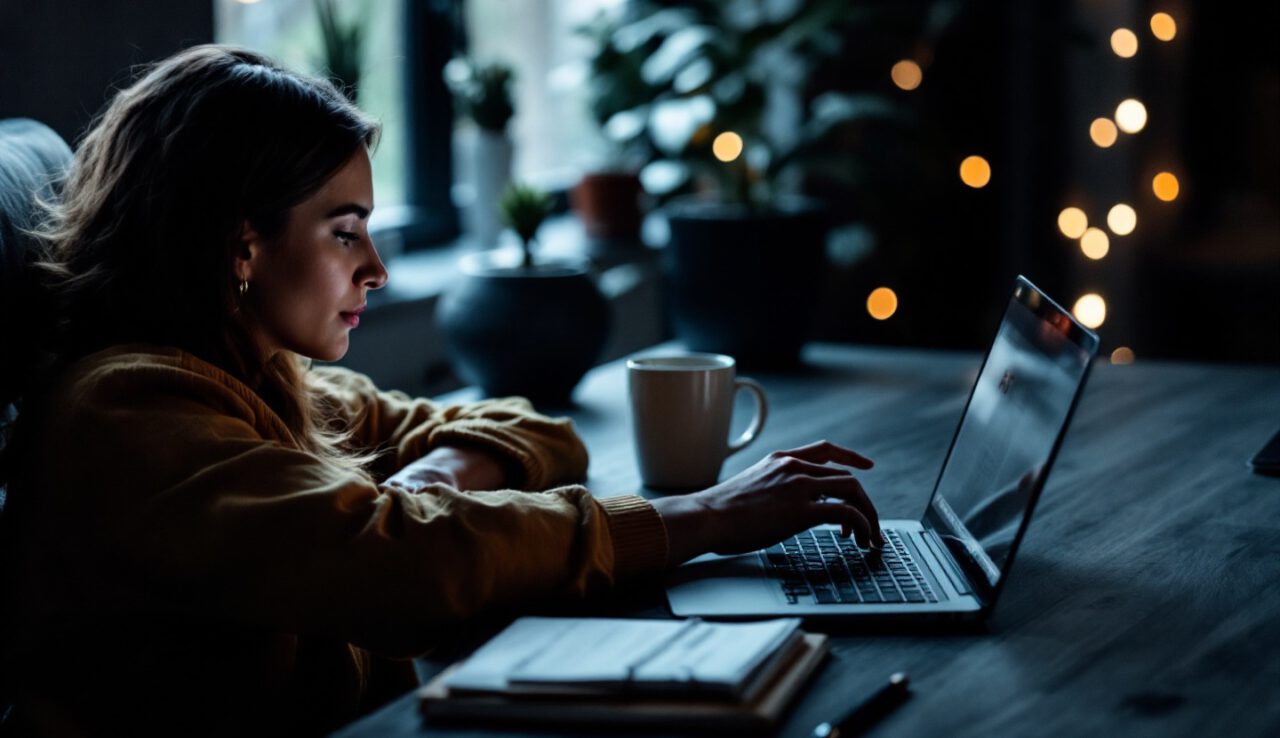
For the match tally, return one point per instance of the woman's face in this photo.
(308, 287)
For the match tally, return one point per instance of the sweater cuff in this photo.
(639, 536)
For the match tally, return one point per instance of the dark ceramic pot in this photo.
(530, 332)
(745, 282)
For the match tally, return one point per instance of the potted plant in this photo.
(744, 111)
(483, 96)
(515, 325)
(608, 197)
(342, 49)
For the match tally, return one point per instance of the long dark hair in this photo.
(140, 246)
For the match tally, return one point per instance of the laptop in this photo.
(951, 563)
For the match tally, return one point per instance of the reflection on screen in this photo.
(1018, 407)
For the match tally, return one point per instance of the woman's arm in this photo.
(532, 450)
(459, 467)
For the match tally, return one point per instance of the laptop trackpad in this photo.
(712, 584)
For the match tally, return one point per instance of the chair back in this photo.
(32, 156)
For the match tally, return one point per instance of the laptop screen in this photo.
(1002, 451)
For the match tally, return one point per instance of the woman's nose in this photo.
(374, 274)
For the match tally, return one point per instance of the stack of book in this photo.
(673, 673)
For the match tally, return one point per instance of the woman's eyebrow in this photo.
(360, 211)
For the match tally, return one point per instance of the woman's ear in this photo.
(248, 251)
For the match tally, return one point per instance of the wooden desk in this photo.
(1145, 599)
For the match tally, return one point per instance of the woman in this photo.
(210, 537)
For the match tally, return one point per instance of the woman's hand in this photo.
(460, 468)
(784, 493)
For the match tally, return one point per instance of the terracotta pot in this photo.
(608, 203)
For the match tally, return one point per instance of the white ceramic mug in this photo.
(681, 407)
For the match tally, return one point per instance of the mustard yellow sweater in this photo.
(179, 558)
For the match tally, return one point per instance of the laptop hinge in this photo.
(949, 566)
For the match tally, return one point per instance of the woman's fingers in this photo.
(809, 468)
(846, 516)
(850, 490)
(824, 452)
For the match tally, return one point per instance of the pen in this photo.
(871, 710)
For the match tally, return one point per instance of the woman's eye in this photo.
(346, 237)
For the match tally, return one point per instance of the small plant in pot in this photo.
(482, 93)
(608, 198)
(518, 326)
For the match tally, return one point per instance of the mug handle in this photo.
(757, 423)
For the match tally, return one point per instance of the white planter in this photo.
(490, 171)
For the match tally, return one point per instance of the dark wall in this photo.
(61, 58)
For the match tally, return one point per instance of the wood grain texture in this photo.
(1145, 599)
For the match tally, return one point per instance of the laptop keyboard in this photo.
(821, 565)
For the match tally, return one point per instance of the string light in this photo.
(1124, 42)
(975, 172)
(1103, 132)
(882, 303)
(1122, 355)
(1165, 186)
(1163, 26)
(1095, 244)
(1091, 310)
(1072, 222)
(1122, 219)
(906, 74)
(727, 146)
(1131, 116)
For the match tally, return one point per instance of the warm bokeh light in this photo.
(1131, 116)
(727, 146)
(1165, 185)
(1103, 132)
(1122, 355)
(906, 74)
(1091, 310)
(1122, 219)
(1072, 222)
(975, 171)
(1094, 243)
(1163, 26)
(1124, 42)
(882, 303)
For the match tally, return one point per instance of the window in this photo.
(289, 32)
(554, 136)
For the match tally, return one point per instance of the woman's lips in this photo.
(352, 317)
